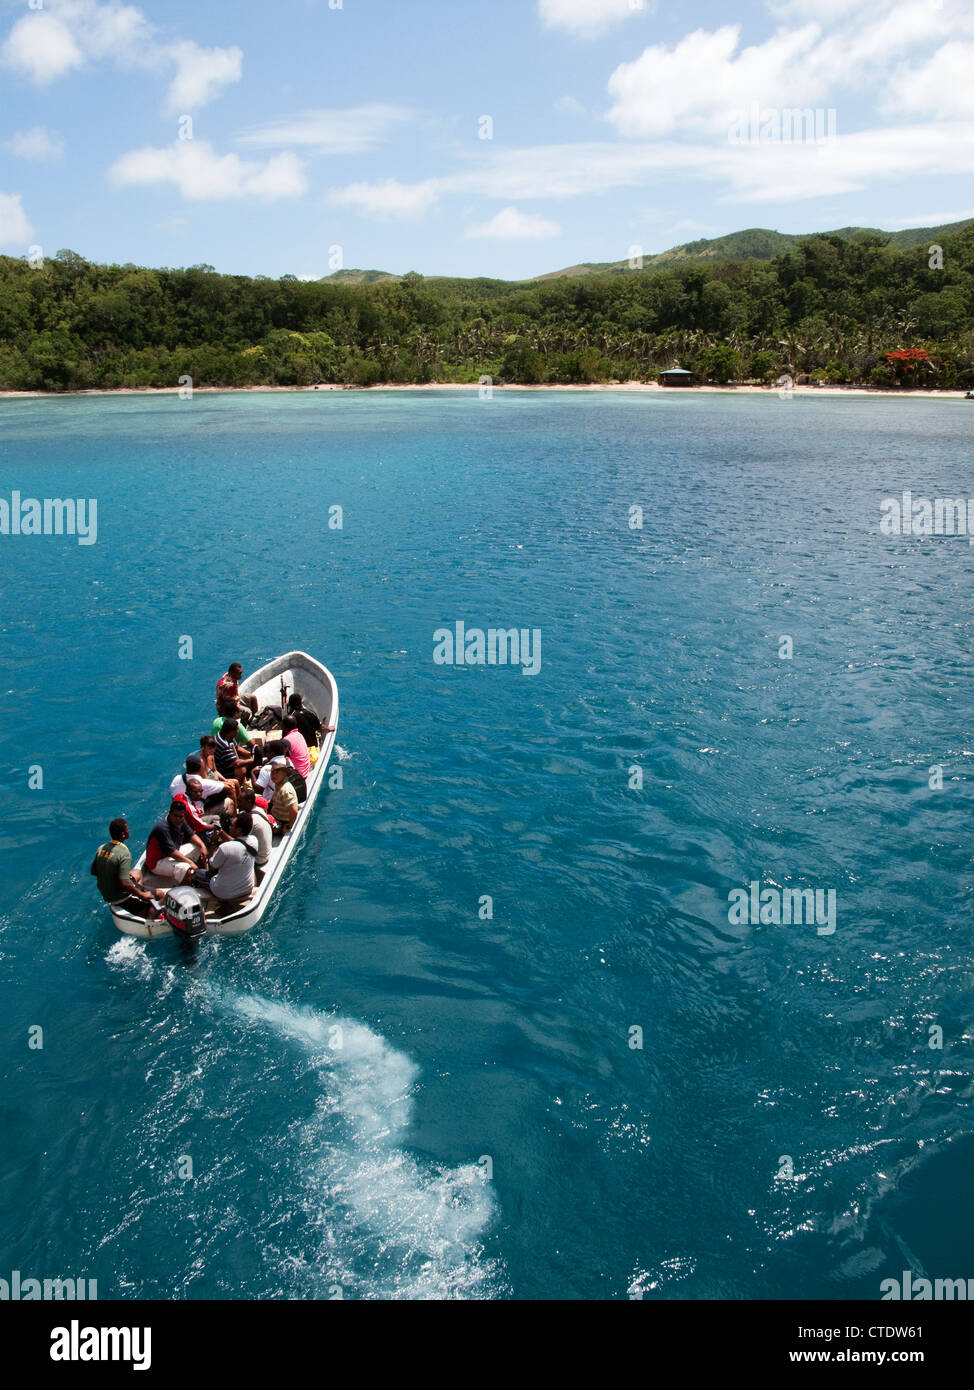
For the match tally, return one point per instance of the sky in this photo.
(457, 137)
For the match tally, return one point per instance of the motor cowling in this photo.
(183, 910)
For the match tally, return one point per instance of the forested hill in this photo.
(760, 244)
(828, 306)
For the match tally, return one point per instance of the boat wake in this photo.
(391, 1225)
(129, 956)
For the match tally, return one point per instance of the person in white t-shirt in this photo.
(211, 789)
(262, 828)
(263, 782)
(230, 877)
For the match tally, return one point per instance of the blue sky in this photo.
(613, 124)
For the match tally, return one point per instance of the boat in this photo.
(294, 672)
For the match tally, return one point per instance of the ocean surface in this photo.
(393, 1088)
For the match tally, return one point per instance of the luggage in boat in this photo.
(268, 718)
(299, 784)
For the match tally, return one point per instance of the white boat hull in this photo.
(316, 685)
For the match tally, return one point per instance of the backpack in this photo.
(268, 718)
(298, 783)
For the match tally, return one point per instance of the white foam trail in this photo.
(394, 1226)
(130, 955)
(342, 754)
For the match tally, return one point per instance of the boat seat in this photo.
(150, 880)
(214, 907)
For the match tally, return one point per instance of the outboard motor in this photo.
(183, 910)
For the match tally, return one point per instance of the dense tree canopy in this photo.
(829, 308)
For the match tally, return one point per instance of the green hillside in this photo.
(826, 307)
(756, 244)
(359, 277)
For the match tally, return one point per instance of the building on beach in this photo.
(676, 376)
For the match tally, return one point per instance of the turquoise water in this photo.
(355, 1161)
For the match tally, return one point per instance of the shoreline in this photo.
(621, 387)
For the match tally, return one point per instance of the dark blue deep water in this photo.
(785, 1129)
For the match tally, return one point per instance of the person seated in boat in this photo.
(298, 782)
(226, 709)
(284, 802)
(169, 852)
(229, 685)
(118, 883)
(215, 791)
(231, 760)
(249, 744)
(297, 747)
(297, 779)
(261, 776)
(263, 825)
(307, 720)
(230, 878)
(209, 768)
(192, 799)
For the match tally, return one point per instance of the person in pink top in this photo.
(300, 756)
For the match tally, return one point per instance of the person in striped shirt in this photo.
(231, 760)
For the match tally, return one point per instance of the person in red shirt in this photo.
(163, 851)
(192, 799)
(229, 686)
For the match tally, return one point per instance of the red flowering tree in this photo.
(906, 363)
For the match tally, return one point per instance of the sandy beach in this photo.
(628, 387)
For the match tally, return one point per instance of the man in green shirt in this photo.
(112, 866)
(243, 735)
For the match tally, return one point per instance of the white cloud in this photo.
(694, 86)
(511, 225)
(687, 224)
(700, 83)
(943, 87)
(200, 174)
(863, 12)
(70, 34)
(36, 144)
(201, 74)
(541, 171)
(569, 106)
(930, 219)
(15, 229)
(772, 173)
(740, 173)
(388, 198)
(42, 46)
(587, 19)
(350, 131)
(119, 32)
